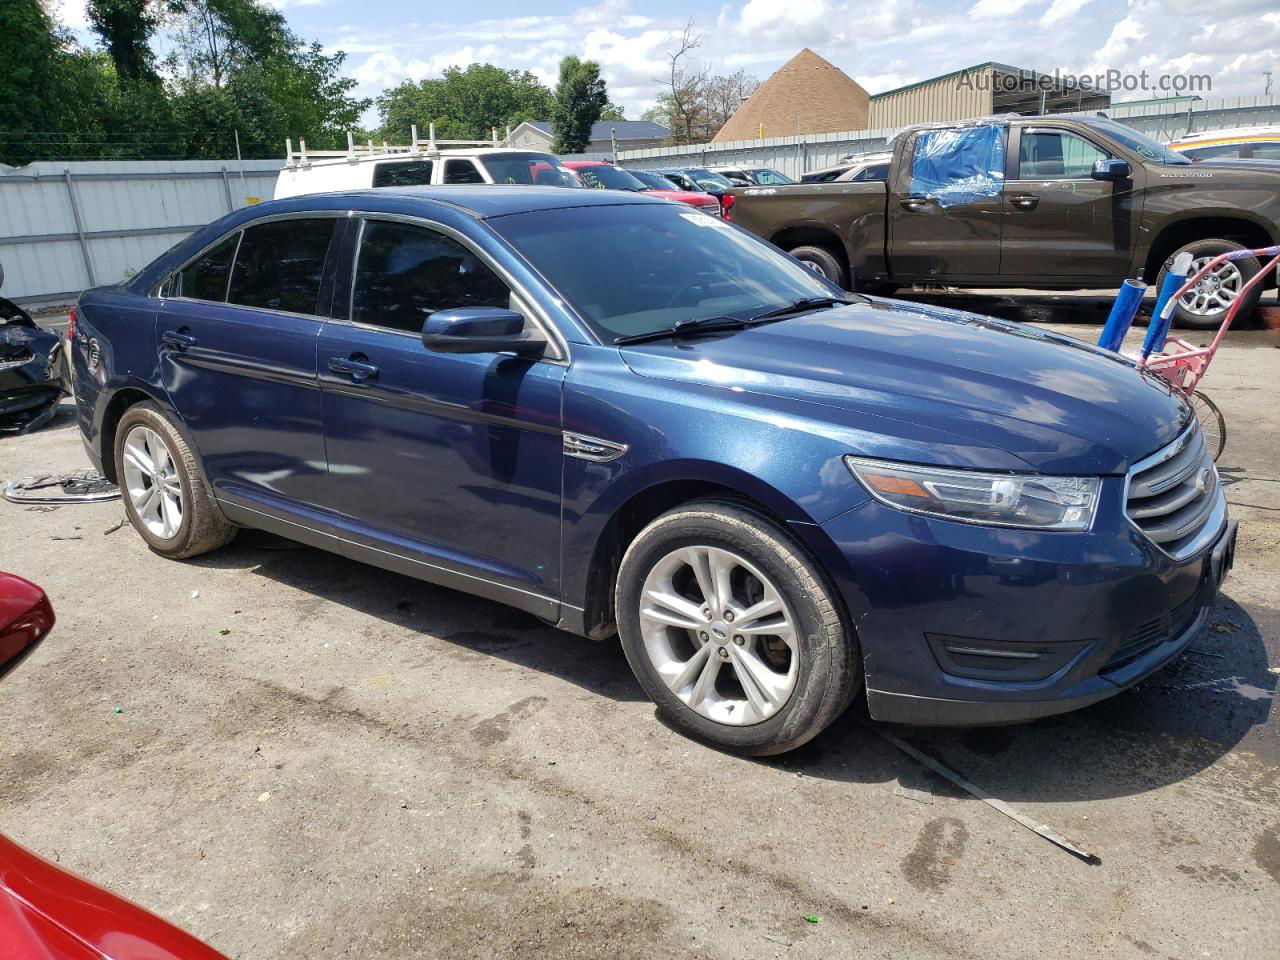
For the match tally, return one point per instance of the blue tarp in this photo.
(958, 165)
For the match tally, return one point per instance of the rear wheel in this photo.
(1213, 425)
(1206, 305)
(732, 631)
(823, 261)
(165, 495)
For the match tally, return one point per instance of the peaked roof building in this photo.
(806, 95)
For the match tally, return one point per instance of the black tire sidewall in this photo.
(818, 663)
(1248, 268)
(147, 414)
(829, 264)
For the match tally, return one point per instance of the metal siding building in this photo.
(981, 90)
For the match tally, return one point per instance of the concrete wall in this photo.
(65, 227)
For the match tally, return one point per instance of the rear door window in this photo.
(408, 173)
(461, 171)
(405, 273)
(206, 277)
(280, 264)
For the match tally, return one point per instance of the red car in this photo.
(605, 176)
(45, 912)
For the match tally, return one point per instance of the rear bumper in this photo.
(963, 624)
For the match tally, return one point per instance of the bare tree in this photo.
(684, 86)
(722, 96)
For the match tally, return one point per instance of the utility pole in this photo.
(1266, 90)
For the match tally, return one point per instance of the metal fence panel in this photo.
(66, 226)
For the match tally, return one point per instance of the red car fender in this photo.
(49, 914)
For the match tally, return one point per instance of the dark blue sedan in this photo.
(631, 418)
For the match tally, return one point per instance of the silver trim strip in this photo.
(581, 447)
(1217, 519)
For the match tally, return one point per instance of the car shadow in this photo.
(1178, 722)
(467, 622)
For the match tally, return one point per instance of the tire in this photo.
(824, 261)
(200, 525)
(1241, 272)
(1213, 425)
(811, 671)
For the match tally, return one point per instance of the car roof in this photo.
(479, 200)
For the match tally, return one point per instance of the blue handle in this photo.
(1122, 313)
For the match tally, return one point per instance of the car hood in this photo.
(939, 386)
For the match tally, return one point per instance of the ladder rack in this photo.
(356, 152)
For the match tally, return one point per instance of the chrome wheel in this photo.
(1215, 291)
(720, 635)
(151, 481)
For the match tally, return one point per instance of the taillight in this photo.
(71, 324)
(726, 204)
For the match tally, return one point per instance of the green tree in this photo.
(580, 98)
(125, 28)
(612, 111)
(464, 104)
(29, 51)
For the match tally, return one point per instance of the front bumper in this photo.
(962, 624)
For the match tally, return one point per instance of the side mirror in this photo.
(1112, 169)
(480, 330)
(25, 617)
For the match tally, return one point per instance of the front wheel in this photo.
(732, 630)
(1205, 306)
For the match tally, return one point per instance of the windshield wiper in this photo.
(803, 304)
(683, 327)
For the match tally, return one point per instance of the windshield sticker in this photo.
(704, 219)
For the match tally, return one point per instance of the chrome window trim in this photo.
(1217, 519)
(154, 293)
(537, 315)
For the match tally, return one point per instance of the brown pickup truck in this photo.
(1043, 202)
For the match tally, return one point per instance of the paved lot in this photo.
(319, 759)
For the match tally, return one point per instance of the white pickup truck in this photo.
(429, 161)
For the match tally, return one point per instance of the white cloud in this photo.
(986, 9)
(1061, 10)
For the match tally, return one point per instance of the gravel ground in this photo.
(313, 758)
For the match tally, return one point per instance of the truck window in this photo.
(461, 171)
(958, 164)
(404, 173)
(405, 273)
(1266, 150)
(1056, 155)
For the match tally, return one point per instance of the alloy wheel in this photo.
(720, 635)
(152, 483)
(1215, 291)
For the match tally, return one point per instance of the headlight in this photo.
(1007, 500)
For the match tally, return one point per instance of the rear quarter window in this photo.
(205, 278)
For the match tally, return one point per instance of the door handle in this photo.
(179, 339)
(355, 366)
(912, 203)
(1025, 201)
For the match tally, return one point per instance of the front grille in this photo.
(1153, 633)
(1174, 493)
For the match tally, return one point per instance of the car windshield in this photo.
(705, 178)
(1142, 145)
(768, 177)
(653, 181)
(537, 168)
(641, 267)
(608, 177)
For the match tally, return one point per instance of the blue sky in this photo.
(881, 44)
